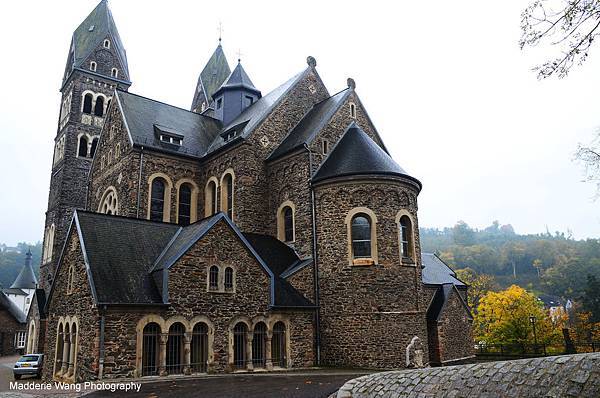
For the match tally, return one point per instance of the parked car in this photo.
(30, 364)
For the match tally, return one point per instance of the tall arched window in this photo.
(175, 354)
(278, 345)
(150, 349)
(83, 147)
(49, 244)
(259, 342)
(87, 103)
(406, 238)
(361, 236)
(99, 107)
(210, 202)
(109, 203)
(199, 348)
(60, 335)
(227, 195)
(228, 278)
(213, 278)
(239, 345)
(288, 224)
(185, 204)
(157, 199)
(94, 146)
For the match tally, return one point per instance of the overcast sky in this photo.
(445, 83)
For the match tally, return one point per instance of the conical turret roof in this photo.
(26, 278)
(357, 154)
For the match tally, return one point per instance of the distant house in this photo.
(555, 305)
(12, 327)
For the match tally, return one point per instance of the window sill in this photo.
(409, 262)
(363, 262)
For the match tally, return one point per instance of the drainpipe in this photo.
(101, 359)
(139, 192)
(314, 255)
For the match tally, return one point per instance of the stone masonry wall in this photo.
(303, 281)
(78, 304)
(560, 376)
(385, 296)
(8, 328)
(454, 330)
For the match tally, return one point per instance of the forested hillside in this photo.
(551, 263)
(11, 262)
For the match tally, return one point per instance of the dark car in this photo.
(30, 364)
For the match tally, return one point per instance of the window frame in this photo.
(362, 261)
(411, 259)
(281, 222)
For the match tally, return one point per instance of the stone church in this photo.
(255, 231)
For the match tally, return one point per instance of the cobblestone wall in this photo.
(560, 376)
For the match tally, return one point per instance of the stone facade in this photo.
(9, 328)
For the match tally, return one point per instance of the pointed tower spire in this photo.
(211, 78)
(26, 278)
(98, 31)
(235, 95)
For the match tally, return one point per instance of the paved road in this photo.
(302, 385)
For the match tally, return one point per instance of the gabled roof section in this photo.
(26, 278)
(357, 154)
(12, 308)
(437, 272)
(15, 291)
(238, 79)
(256, 113)
(441, 298)
(211, 78)
(119, 252)
(143, 116)
(311, 124)
(90, 33)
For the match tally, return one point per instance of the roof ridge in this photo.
(120, 217)
(163, 103)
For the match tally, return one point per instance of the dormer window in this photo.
(219, 103)
(171, 139)
(93, 66)
(229, 135)
(106, 43)
(114, 72)
(248, 100)
(168, 135)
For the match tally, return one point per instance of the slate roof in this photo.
(143, 116)
(256, 113)
(211, 78)
(40, 296)
(12, 308)
(311, 124)
(91, 32)
(120, 251)
(26, 278)
(279, 257)
(436, 272)
(15, 291)
(357, 154)
(237, 79)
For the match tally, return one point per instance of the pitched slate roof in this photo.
(441, 298)
(237, 79)
(16, 292)
(311, 124)
(91, 32)
(279, 257)
(211, 78)
(437, 272)
(145, 118)
(26, 278)
(357, 154)
(12, 308)
(256, 113)
(120, 251)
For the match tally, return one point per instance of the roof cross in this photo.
(239, 54)
(220, 30)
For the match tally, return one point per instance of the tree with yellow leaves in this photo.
(504, 318)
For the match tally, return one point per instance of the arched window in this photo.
(109, 203)
(60, 335)
(213, 278)
(175, 355)
(106, 43)
(94, 146)
(114, 72)
(83, 147)
(150, 349)
(361, 236)
(87, 103)
(93, 66)
(227, 195)
(49, 244)
(71, 279)
(352, 110)
(157, 199)
(99, 107)
(185, 204)
(239, 345)
(259, 343)
(228, 278)
(278, 345)
(406, 238)
(199, 348)
(210, 199)
(288, 223)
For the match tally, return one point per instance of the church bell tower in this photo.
(96, 66)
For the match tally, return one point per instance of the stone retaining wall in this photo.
(560, 376)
